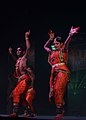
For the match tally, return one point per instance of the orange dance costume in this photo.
(59, 75)
(24, 90)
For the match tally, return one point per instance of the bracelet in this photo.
(71, 34)
(27, 38)
(51, 39)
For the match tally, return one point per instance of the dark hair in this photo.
(58, 39)
(22, 46)
(51, 31)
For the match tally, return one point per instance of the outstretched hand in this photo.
(51, 94)
(51, 34)
(27, 34)
(74, 30)
(10, 50)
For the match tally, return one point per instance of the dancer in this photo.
(24, 92)
(58, 56)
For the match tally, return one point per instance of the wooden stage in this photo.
(4, 117)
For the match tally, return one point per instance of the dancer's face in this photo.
(57, 45)
(19, 51)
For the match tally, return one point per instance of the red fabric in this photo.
(59, 87)
(30, 97)
(21, 92)
(54, 57)
(59, 76)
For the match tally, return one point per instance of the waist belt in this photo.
(30, 89)
(58, 64)
(20, 78)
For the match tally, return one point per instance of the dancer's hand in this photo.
(50, 94)
(27, 34)
(51, 34)
(10, 50)
(74, 30)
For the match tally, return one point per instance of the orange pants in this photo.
(59, 84)
(23, 93)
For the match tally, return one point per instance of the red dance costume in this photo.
(59, 75)
(24, 92)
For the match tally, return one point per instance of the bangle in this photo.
(51, 39)
(70, 34)
(27, 38)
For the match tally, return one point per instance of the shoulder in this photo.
(24, 57)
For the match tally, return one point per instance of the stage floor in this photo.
(45, 117)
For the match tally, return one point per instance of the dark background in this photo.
(15, 20)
